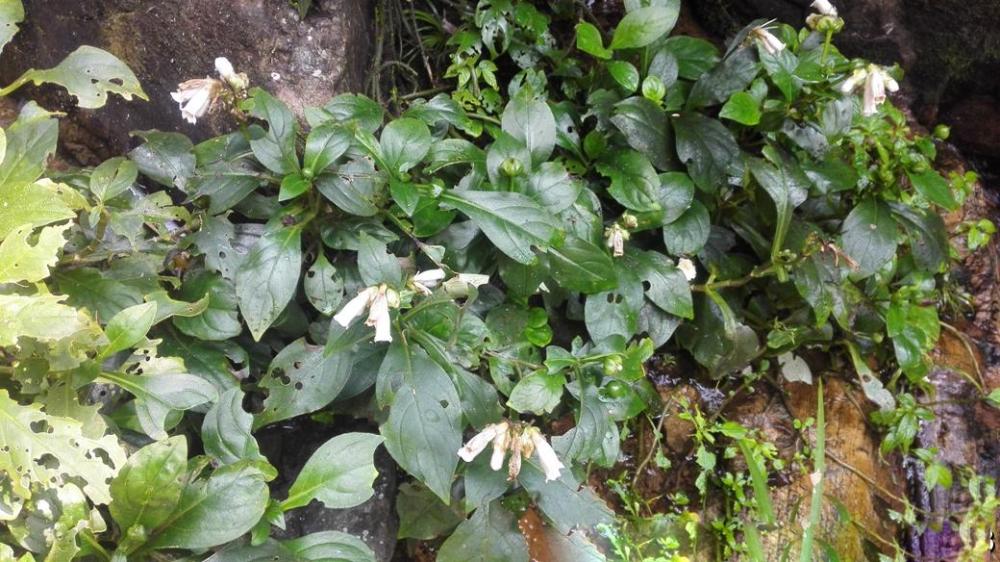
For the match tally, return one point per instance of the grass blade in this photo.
(819, 456)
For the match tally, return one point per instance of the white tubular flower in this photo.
(500, 443)
(767, 40)
(874, 93)
(824, 7)
(616, 237)
(378, 301)
(225, 68)
(858, 76)
(516, 446)
(551, 465)
(478, 443)
(196, 97)
(687, 268)
(378, 313)
(424, 281)
(474, 279)
(355, 307)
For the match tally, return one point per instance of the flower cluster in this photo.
(522, 441)
(876, 82)
(378, 300)
(199, 96)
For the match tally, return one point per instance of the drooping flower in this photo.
(551, 465)
(767, 40)
(876, 82)
(824, 7)
(236, 80)
(426, 280)
(196, 97)
(473, 279)
(522, 441)
(378, 300)
(616, 235)
(478, 443)
(687, 268)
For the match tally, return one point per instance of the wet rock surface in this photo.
(288, 446)
(302, 62)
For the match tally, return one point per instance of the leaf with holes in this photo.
(302, 379)
(89, 74)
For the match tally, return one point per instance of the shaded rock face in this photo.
(948, 48)
(304, 63)
(865, 484)
(288, 446)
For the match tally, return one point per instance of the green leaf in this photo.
(645, 25)
(302, 379)
(129, 327)
(42, 317)
(667, 286)
(935, 188)
(589, 40)
(376, 264)
(21, 260)
(404, 144)
(292, 186)
(480, 404)
(443, 109)
(339, 474)
(584, 441)
(351, 108)
(733, 75)
(352, 187)
(928, 235)
(422, 515)
(625, 74)
(323, 286)
(162, 388)
(330, 546)
(220, 320)
(741, 108)
(30, 140)
(530, 120)
(538, 393)
(35, 447)
(147, 489)
(11, 14)
(112, 178)
(165, 158)
(781, 185)
(89, 74)
(324, 145)
(646, 129)
(869, 236)
(215, 510)
(512, 221)
(580, 265)
(268, 276)
(689, 233)
(634, 183)
(223, 363)
(225, 432)
(708, 149)
(552, 187)
(424, 429)
(694, 56)
(566, 502)
(490, 535)
(98, 292)
(275, 149)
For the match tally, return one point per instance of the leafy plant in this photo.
(518, 250)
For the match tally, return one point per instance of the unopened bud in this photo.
(511, 167)
(653, 89)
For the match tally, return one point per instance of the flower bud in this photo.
(942, 131)
(511, 167)
(613, 365)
